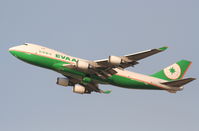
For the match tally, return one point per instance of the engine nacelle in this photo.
(62, 81)
(79, 89)
(115, 60)
(82, 65)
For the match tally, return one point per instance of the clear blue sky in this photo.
(31, 101)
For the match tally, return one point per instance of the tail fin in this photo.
(174, 72)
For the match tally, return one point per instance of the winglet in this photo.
(163, 48)
(107, 92)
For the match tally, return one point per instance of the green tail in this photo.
(174, 72)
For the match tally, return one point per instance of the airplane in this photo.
(86, 75)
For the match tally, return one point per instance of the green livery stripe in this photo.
(139, 83)
(16, 53)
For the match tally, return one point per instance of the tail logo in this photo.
(173, 72)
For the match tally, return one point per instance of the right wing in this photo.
(131, 59)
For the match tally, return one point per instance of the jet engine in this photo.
(115, 60)
(62, 81)
(82, 65)
(79, 89)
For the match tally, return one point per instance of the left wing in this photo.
(89, 87)
(129, 60)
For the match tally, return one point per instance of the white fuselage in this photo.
(50, 53)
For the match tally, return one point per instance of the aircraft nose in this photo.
(12, 50)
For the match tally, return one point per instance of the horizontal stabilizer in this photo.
(178, 83)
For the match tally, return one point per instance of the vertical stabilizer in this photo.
(174, 72)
